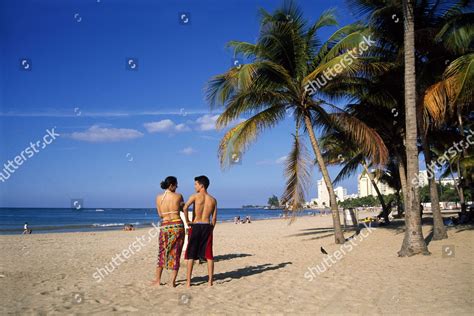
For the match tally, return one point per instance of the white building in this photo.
(423, 178)
(448, 181)
(341, 193)
(365, 187)
(323, 194)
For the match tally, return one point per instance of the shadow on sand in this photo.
(231, 256)
(397, 225)
(323, 230)
(240, 273)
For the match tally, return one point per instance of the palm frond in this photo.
(238, 138)
(298, 174)
(456, 88)
(368, 140)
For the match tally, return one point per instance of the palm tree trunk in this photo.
(413, 242)
(403, 182)
(338, 234)
(399, 212)
(385, 210)
(461, 171)
(439, 230)
(460, 187)
(456, 186)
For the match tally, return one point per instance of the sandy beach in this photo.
(263, 267)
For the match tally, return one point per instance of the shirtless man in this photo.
(201, 228)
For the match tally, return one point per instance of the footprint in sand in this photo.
(62, 276)
(102, 301)
(125, 309)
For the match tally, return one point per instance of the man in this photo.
(201, 228)
(26, 230)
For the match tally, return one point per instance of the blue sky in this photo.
(122, 131)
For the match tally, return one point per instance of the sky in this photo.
(122, 83)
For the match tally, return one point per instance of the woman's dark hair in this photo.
(203, 180)
(168, 182)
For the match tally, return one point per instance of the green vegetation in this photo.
(273, 201)
(366, 201)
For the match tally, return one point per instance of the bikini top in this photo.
(173, 212)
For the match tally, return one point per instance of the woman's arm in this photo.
(186, 207)
(157, 200)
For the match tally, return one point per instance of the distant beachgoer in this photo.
(128, 227)
(172, 233)
(26, 230)
(237, 220)
(247, 219)
(201, 230)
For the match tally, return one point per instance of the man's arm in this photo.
(214, 215)
(186, 207)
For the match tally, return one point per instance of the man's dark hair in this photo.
(203, 180)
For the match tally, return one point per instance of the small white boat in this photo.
(99, 210)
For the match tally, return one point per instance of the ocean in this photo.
(57, 220)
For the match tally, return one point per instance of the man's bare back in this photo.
(204, 208)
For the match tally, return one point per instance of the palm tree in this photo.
(448, 94)
(391, 177)
(451, 99)
(457, 161)
(444, 31)
(338, 151)
(413, 242)
(439, 230)
(286, 57)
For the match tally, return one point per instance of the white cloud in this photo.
(207, 122)
(165, 126)
(281, 160)
(272, 162)
(188, 151)
(97, 134)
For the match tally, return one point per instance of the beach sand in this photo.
(260, 268)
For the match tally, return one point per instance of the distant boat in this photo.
(99, 210)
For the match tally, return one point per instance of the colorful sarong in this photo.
(171, 242)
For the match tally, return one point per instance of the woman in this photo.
(171, 239)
